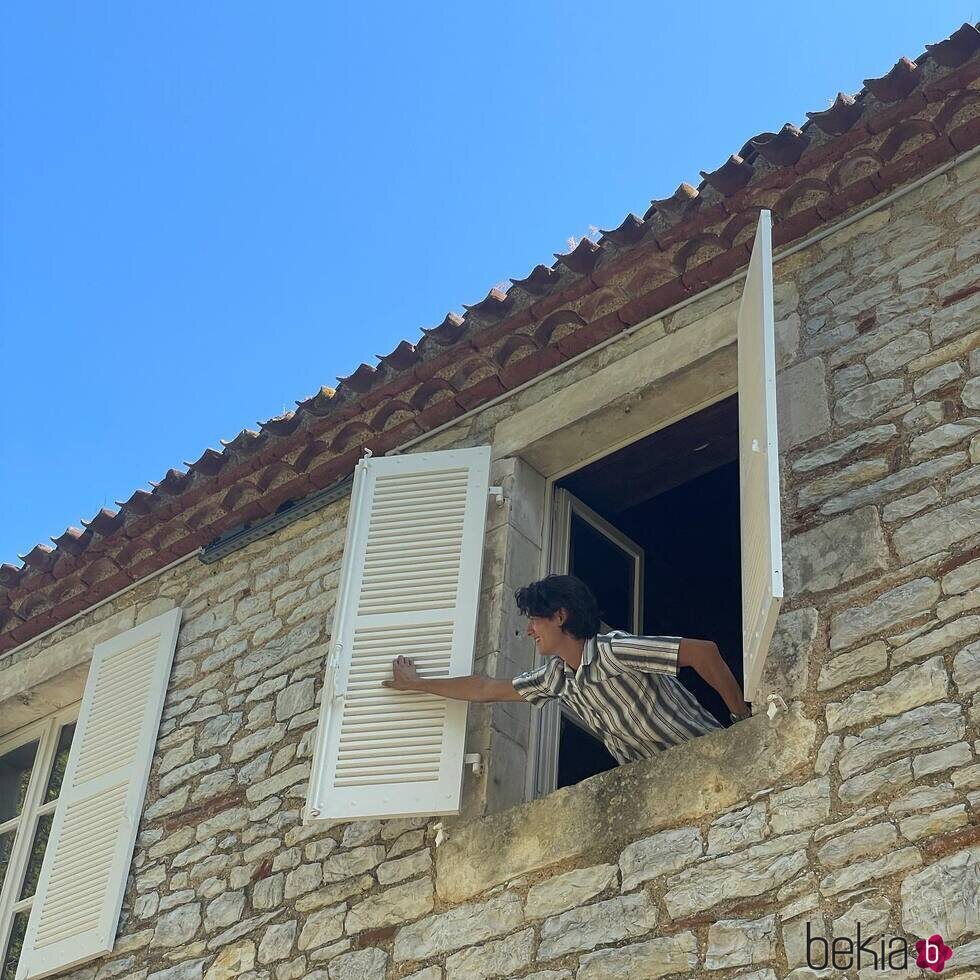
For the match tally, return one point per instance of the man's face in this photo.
(546, 632)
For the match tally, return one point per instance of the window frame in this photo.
(543, 743)
(47, 731)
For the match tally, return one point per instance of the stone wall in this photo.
(859, 804)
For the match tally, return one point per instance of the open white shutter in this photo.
(409, 585)
(86, 863)
(758, 455)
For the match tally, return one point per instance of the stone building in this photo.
(608, 389)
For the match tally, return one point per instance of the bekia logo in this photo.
(845, 953)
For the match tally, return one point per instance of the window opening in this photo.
(665, 510)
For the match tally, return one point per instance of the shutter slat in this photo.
(762, 588)
(409, 586)
(83, 876)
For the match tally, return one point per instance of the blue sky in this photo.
(209, 210)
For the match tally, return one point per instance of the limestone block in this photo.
(303, 879)
(937, 378)
(869, 401)
(873, 913)
(744, 874)
(971, 393)
(956, 319)
(322, 927)
(859, 788)
(625, 917)
(800, 806)
(943, 437)
(921, 798)
(802, 410)
(738, 829)
(898, 510)
(363, 964)
(838, 551)
(826, 754)
(463, 925)
(845, 448)
(188, 771)
(650, 960)
(966, 668)
(896, 354)
(277, 941)
(938, 530)
(937, 822)
(241, 929)
(224, 910)
(855, 875)
(923, 416)
(864, 843)
(841, 480)
(393, 906)
(190, 970)
(740, 942)
(267, 893)
(863, 662)
(787, 666)
(660, 854)
(795, 937)
(499, 958)
(177, 926)
(947, 635)
(346, 864)
(910, 688)
(944, 897)
(566, 891)
(969, 480)
(232, 961)
(848, 378)
(334, 893)
(926, 727)
(295, 698)
(888, 487)
(958, 754)
(891, 608)
(218, 731)
(408, 867)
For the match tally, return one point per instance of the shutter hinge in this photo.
(775, 705)
(474, 760)
(497, 493)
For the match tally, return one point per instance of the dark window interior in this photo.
(674, 493)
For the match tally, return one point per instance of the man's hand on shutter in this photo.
(404, 676)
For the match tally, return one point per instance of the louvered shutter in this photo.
(409, 586)
(758, 454)
(86, 863)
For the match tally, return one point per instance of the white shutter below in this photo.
(409, 585)
(86, 863)
(758, 454)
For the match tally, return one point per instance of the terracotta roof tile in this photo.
(899, 126)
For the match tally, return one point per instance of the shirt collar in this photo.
(588, 655)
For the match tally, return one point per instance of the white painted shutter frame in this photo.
(758, 453)
(86, 863)
(409, 585)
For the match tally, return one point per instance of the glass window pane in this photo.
(41, 834)
(6, 845)
(15, 775)
(60, 761)
(607, 570)
(14, 946)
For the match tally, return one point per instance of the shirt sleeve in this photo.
(542, 683)
(649, 654)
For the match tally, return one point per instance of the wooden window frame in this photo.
(47, 731)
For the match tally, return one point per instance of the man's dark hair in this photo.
(546, 596)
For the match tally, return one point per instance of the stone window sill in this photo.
(691, 781)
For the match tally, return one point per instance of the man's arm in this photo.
(475, 687)
(704, 657)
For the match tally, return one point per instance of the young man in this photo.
(624, 687)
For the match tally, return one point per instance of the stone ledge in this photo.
(685, 784)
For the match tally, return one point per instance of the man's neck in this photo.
(571, 649)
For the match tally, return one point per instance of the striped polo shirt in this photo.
(626, 689)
